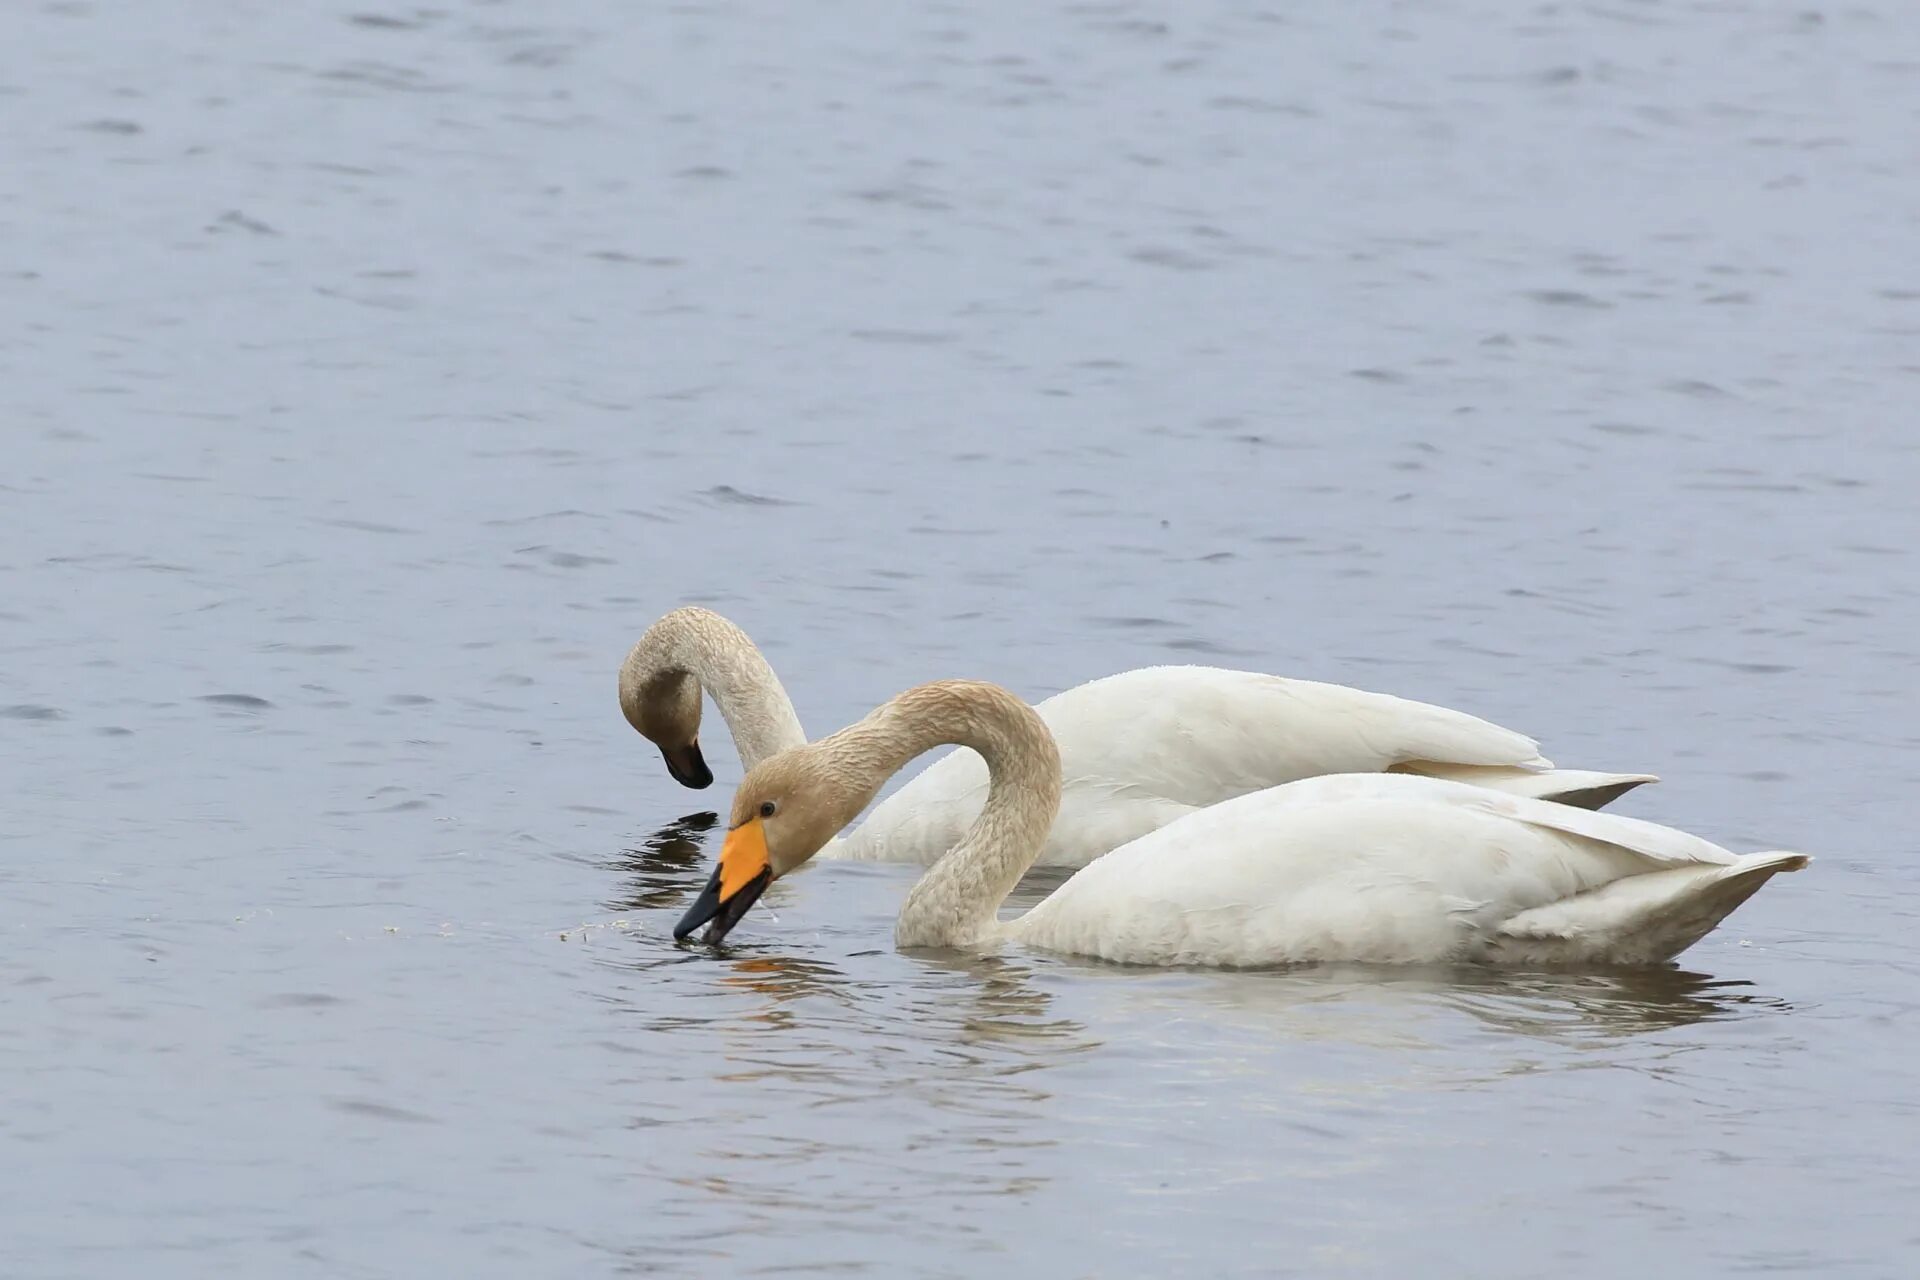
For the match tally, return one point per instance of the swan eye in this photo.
(766, 808)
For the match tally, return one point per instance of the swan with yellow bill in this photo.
(1376, 868)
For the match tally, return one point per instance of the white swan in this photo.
(1372, 868)
(1140, 749)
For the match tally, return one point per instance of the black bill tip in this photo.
(704, 908)
(723, 915)
(688, 766)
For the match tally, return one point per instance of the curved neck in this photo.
(698, 644)
(957, 902)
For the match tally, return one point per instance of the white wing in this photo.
(1395, 869)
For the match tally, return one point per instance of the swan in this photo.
(1368, 868)
(1140, 748)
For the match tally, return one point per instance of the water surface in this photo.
(371, 376)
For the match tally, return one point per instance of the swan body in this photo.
(1397, 869)
(1139, 749)
(1380, 868)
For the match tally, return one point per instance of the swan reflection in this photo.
(973, 1005)
(1420, 1007)
(667, 868)
(1607, 1004)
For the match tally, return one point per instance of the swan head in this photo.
(664, 705)
(785, 811)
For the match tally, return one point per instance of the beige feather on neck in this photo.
(802, 797)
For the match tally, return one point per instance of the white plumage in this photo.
(1395, 869)
(1139, 749)
(1145, 747)
(1379, 868)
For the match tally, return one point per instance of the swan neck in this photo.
(723, 661)
(957, 902)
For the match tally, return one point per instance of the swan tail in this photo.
(1583, 788)
(1641, 919)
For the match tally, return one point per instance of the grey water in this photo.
(371, 375)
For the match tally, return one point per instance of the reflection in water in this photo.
(783, 978)
(668, 867)
(976, 999)
(1594, 1001)
(1418, 1011)
(780, 981)
(1004, 1003)
(807, 1058)
(1604, 1005)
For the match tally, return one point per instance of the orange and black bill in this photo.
(688, 766)
(737, 883)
